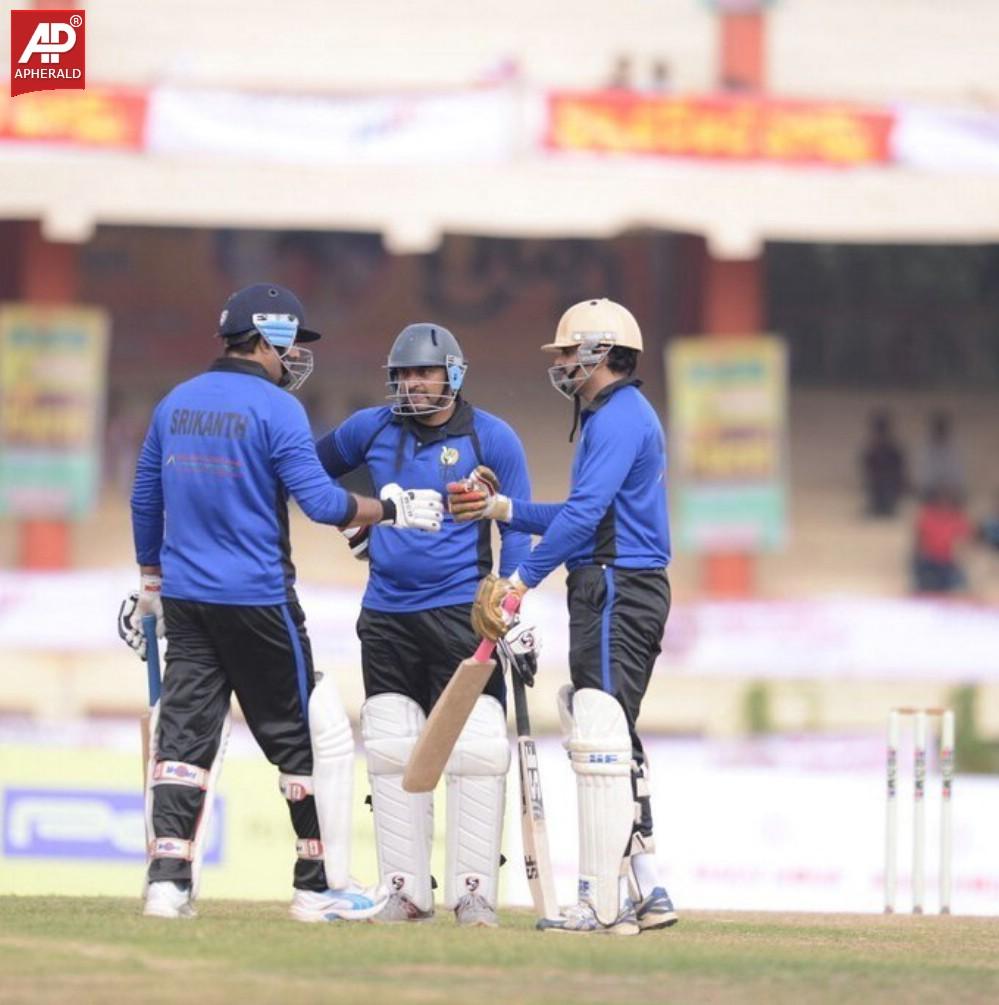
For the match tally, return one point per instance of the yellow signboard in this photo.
(53, 368)
(728, 455)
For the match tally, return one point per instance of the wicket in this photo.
(920, 717)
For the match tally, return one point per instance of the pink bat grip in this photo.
(485, 651)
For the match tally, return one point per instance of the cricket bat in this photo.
(153, 675)
(534, 832)
(448, 716)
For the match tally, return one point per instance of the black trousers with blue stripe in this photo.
(417, 653)
(616, 622)
(264, 656)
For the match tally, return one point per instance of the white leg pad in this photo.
(160, 772)
(600, 752)
(404, 821)
(476, 793)
(332, 778)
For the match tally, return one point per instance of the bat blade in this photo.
(534, 831)
(446, 721)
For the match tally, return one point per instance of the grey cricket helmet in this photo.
(424, 344)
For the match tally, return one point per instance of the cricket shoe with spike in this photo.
(474, 911)
(350, 903)
(656, 911)
(400, 908)
(581, 919)
(166, 899)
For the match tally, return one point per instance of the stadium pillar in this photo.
(49, 274)
(732, 306)
(732, 289)
(742, 42)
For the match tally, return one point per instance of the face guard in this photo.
(568, 378)
(280, 331)
(399, 393)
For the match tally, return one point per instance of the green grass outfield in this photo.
(85, 950)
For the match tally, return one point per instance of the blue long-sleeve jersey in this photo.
(616, 511)
(416, 572)
(222, 453)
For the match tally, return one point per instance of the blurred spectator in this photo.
(942, 527)
(988, 530)
(660, 77)
(731, 84)
(939, 465)
(621, 79)
(883, 468)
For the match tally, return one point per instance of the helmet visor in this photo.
(569, 376)
(280, 332)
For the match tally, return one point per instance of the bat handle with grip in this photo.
(511, 603)
(152, 657)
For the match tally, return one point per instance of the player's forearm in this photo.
(147, 534)
(329, 454)
(533, 517)
(320, 499)
(371, 511)
(147, 506)
(566, 533)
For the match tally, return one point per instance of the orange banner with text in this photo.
(719, 127)
(96, 117)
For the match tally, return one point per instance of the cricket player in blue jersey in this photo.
(210, 520)
(415, 625)
(612, 534)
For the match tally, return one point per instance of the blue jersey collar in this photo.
(605, 395)
(460, 424)
(233, 364)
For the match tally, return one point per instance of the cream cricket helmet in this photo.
(596, 322)
(594, 327)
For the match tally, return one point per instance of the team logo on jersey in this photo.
(449, 458)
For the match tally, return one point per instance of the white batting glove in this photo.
(151, 601)
(415, 509)
(130, 625)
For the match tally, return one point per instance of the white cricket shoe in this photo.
(165, 899)
(401, 908)
(581, 919)
(474, 911)
(350, 903)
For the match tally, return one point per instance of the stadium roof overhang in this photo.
(737, 207)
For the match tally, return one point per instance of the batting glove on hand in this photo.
(478, 498)
(358, 538)
(519, 652)
(151, 601)
(415, 509)
(490, 617)
(130, 624)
